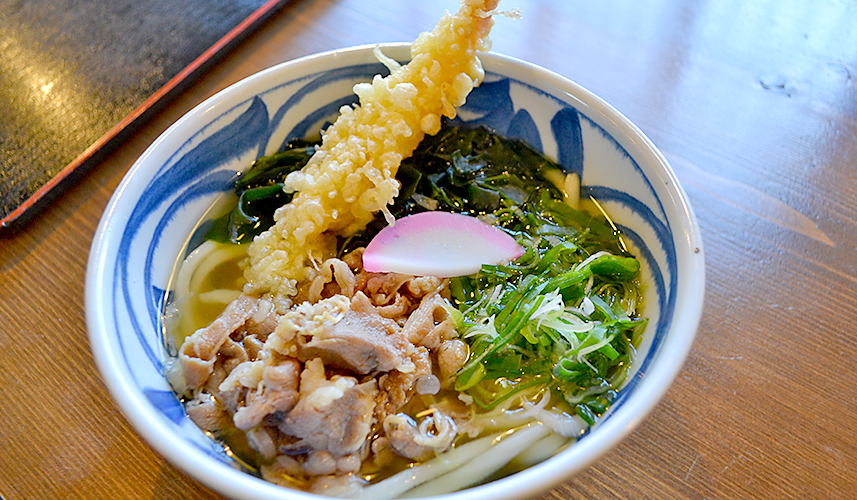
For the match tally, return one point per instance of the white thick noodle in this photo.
(222, 253)
(562, 424)
(219, 296)
(195, 268)
(394, 486)
(478, 470)
(189, 266)
(540, 451)
(571, 188)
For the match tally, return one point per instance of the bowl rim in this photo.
(531, 481)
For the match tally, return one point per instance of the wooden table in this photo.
(755, 106)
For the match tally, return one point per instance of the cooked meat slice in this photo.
(207, 413)
(312, 377)
(342, 486)
(284, 376)
(349, 463)
(430, 324)
(397, 386)
(263, 322)
(383, 454)
(363, 341)
(462, 414)
(383, 288)
(276, 392)
(420, 286)
(354, 259)
(334, 277)
(285, 471)
(323, 463)
(231, 399)
(261, 441)
(434, 434)
(253, 346)
(305, 320)
(198, 353)
(232, 354)
(336, 416)
(451, 357)
(390, 284)
(319, 463)
(397, 310)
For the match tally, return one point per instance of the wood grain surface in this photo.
(755, 106)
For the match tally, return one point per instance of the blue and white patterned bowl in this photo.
(153, 213)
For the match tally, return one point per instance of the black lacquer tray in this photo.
(77, 75)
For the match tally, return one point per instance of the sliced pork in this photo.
(320, 385)
(198, 353)
(277, 391)
(334, 415)
(363, 341)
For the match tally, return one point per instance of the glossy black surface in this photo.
(72, 69)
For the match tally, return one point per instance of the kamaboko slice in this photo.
(439, 244)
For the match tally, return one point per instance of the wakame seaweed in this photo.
(260, 192)
(464, 170)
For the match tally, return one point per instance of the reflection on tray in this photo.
(74, 77)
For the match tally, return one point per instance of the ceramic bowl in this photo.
(151, 217)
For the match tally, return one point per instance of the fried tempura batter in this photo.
(352, 175)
